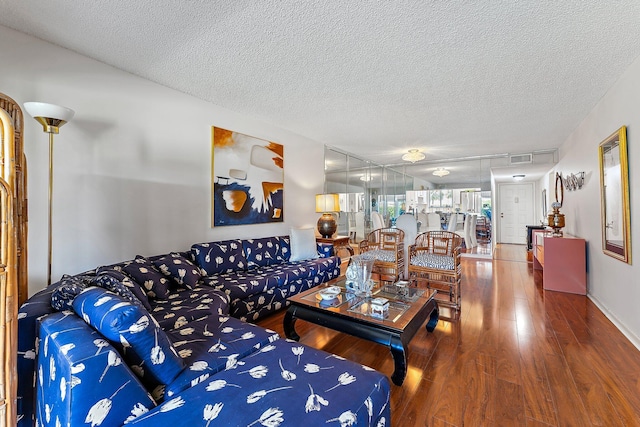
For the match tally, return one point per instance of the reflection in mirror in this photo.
(614, 186)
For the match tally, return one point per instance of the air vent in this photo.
(519, 159)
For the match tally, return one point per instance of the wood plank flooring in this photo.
(517, 356)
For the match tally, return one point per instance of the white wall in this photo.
(133, 168)
(612, 284)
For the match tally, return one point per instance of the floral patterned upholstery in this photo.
(179, 269)
(186, 305)
(219, 257)
(143, 271)
(133, 331)
(284, 384)
(82, 379)
(247, 288)
(236, 374)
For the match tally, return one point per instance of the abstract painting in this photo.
(247, 179)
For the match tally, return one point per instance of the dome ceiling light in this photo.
(413, 156)
(441, 172)
(518, 177)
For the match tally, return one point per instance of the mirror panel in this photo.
(614, 187)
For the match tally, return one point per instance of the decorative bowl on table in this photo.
(329, 293)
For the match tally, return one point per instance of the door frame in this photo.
(497, 226)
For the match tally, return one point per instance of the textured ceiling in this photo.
(374, 78)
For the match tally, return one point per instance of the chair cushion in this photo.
(440, 262)
(219, 257)
(179, 269)
(130, 327)
(382, 255)
(154, 283)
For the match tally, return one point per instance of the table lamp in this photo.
(327, 203)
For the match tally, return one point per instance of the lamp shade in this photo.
(50, 116)
(327, 203)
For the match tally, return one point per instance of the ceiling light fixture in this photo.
(518, 177)
(413, 156)
(441, 172)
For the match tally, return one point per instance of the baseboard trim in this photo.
(618, 324)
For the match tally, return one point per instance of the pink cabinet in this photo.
(562, 261)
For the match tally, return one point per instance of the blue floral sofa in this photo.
(160, 340)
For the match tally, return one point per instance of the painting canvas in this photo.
(247, 179)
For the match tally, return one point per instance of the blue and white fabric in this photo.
(219, 257)
(66, 290)
(440, 262)
(154, 283)
(210, 345)
(82, 380)
(265, 252)
(186, 305)
(181, 271)
(124, 285)
(132, 329)
(283, 384)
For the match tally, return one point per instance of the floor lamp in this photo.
(51, 117)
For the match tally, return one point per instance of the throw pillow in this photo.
(182, 272)
(219, 257)
(152, 281)
(131, 327)
(303, 244)
(116, 281)
(67, 289)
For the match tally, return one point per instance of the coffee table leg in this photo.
(400, 360)
(289, 324)
(433, 319)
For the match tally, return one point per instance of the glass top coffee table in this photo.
(394, 327)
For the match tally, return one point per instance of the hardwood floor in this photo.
(517, 355)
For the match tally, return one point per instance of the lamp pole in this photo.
(51, 117)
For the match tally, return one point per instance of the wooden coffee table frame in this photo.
(395, 335)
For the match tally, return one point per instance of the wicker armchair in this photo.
(386, 245)
(434, 259)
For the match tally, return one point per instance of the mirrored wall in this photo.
(364, 187)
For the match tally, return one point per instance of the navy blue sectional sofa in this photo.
(164, 340)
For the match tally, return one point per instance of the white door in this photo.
(515, 212)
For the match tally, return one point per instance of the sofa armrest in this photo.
(325, 250)
(36, 307)
(82, 378)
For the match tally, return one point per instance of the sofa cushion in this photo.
(186, 305)
(210, 345)
(239, 284)
(116, 281)
(290, 385)
(66, 290)
(133, 329)
(182, 272)
(303, 244)
(261, 252)
(219, 257)
(154, 283)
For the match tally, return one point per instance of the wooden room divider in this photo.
(13, 250)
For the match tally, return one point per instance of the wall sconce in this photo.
(573, 181)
